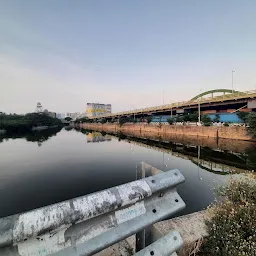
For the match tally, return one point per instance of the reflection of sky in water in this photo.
(66, 166)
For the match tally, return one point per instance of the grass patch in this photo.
(232, 228)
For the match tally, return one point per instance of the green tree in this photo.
(206, 120)
(216, 118)
(123, 120)
(190, 117)
(180, 118)
(194, 117)
(149, 119)
(68, 118)
(251, 120)
(170, 120)
(103, 120)
(83, 120)
(243, 116)
(187, 118)
(26, 122)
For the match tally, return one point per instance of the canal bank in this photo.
(144, 130)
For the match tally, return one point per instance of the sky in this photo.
(131, 54)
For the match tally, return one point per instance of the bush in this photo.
(232, 228)
(68, 118)
(251, 118)
(134, 120)
(251, 157)
(123, 120)
(187, 118)
(83, 120)
(216, 118)
(149, 119)
(243, 116)
(194, 117)
(26, 122)
(226, 124)
(179, 119)
(206, 120)
(103, 120)
(170, 120)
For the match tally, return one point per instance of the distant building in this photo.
(51, 114)
(39, 107)
(68, 115)
(81, 115)
(72, 115)
(58, 115)
(97, 109)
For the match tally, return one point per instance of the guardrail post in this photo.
(144, 237)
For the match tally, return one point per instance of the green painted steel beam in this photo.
(214, 91)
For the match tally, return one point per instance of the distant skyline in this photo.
(66, 53)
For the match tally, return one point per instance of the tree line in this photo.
(14, 122)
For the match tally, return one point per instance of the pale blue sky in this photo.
(67, 53)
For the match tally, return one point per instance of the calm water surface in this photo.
(43, 168)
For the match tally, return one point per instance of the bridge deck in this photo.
(236, 96)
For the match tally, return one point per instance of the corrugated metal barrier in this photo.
(88, 224)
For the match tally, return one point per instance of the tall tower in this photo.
(39, 107)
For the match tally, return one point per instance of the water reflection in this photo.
(93, 137)
(216, 160)
(251, 157)
(68, 128)
(32, 136)
(68, 166)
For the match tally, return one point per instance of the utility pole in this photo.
(233, 71)
(199, 112)
(199, 109)
(132, 107)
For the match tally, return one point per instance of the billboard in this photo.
(97, 109)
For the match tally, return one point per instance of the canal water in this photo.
(42, 168)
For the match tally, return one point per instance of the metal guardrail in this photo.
(88, 224)
(231, 96)
(165, 246)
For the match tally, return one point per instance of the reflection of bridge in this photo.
(196, 154)
(228, 100)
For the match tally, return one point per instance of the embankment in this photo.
(148, 130)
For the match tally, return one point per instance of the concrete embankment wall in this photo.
(191, 228)
(147, 130)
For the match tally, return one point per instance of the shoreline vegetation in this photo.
(38, 136)
(232, 227)
(248, 123)
(28, 122)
